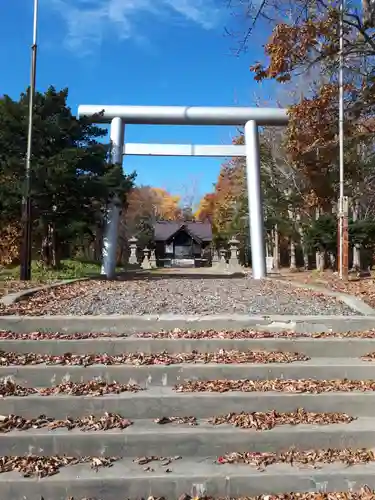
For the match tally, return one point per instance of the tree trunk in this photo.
(304, 249)
(293, 262)
(267, 240)
(332, 255)
(55, 254)
(357, 248)
(45, 251)
(98, 244)
(320, 262)
(276, 249)
(318, 253)
(332, 260)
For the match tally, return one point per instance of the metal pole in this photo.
(25, 268)
(255, 200)
(341, 142)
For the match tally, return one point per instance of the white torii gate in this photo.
(249, 118)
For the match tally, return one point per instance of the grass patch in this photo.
(70, 269)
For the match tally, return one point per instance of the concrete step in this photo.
(163, 401)
(316, 347)
(198, 477)
(146, 438)
(169, 375)
(198, 446)
(130, 324)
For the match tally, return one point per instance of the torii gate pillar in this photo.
(109, 250)
(254, 190)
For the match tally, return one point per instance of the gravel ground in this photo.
(180, 296)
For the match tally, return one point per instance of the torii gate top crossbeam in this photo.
(185, 115)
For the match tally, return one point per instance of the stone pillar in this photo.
(234, 264)
(153, 260)
(146, 262)
(109, 251)
(133, 250)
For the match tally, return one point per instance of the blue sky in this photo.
(145, 52)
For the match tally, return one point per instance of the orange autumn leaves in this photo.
(290, 46)
(221, 206)
(312, 139)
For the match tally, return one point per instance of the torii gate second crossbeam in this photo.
(249, 118)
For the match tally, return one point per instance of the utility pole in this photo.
(25, 270)
(343, 202)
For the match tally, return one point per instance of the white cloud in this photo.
(89, 22)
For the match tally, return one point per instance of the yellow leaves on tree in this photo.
(167, 205)
(221, 206)
(223, 210)
(155, 203)
(224, 204)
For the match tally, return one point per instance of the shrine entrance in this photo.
(249, 118)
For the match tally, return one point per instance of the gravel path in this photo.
(180, 296)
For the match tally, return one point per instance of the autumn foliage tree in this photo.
(311, 39)
(304, 45)
(146, 205)
(311, 143)
(206, 207)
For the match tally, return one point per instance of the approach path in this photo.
(142, 294)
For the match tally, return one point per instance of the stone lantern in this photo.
(146, 262)
(234, 263)
(153, 260)
(215, 258)
(133, 250)
(222, 261)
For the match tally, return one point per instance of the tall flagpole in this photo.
(341, 143)
(25, 270)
